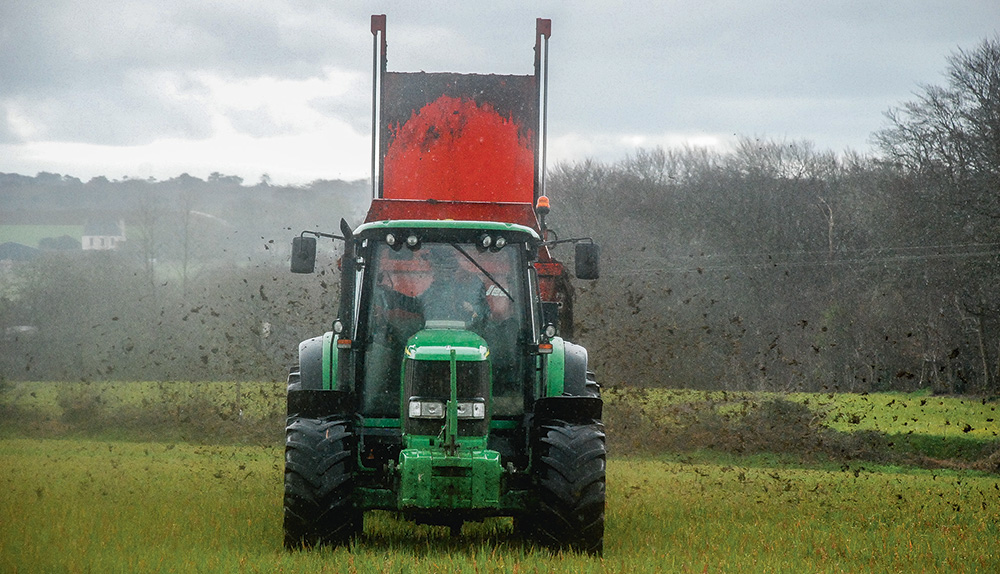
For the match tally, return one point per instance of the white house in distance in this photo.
(103, 235)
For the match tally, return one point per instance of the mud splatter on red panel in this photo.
(453, 149)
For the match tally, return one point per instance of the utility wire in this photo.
(883, 256)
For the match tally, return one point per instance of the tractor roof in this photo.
(449, 224)
(519, 213)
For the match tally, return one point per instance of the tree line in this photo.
(773, 265)
(199, 291)
(778, 266)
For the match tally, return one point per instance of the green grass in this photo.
(107, 506)
(163, 411)
(30, 235)
(889, 413)
(187, 477)
(51, 399)
(912, 413)
(898, 428)
(886, 427)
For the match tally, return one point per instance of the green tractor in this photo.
(444, 391)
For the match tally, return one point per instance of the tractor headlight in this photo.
(472, 410)
(421, 409)
(425, 409)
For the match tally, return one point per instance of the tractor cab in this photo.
(467, 286)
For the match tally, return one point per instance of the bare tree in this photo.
(950, 135)
(948, 142)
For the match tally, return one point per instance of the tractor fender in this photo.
(575, 370)
(317, 362)
(566, 372)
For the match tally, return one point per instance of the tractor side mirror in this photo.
(303, 254)
(587, 260)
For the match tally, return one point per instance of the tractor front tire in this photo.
(570, 472)
(294, 378)
(319, 483)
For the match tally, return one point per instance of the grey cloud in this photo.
(356, 111)
(130, 113)
(86, 70)
(660, 68)
(256, 123)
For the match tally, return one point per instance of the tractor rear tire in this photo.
(319, 483)
(570, 471)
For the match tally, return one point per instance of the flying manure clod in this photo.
(445, 390)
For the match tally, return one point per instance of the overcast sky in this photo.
(153, 88)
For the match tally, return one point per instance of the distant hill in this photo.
(51, 205)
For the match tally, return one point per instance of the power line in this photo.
(782, 260)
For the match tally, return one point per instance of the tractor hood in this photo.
(440, 338)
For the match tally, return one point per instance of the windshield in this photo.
(442, 285)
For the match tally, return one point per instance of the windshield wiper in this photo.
(485, 272)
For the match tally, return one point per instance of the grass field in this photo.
(197, 488)
(30, 235)
(899, 428)
(98, 506)
(247, 412)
